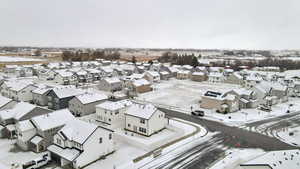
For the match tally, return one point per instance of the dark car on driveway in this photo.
(198, 113)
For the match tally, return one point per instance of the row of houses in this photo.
(264, 93)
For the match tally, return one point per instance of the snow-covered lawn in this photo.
(181, 93)
(17, 59)
(233, 158)
(291, 139)
(173, 131)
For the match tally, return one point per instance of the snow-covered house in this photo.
(221, 102)
(262, 90)
(152, 76)
(183, 74)
(96, 74)
(198, 76)
(85, 104)
(80, 143)
(64, 77)
(10, 69)
(58, 98)
(164, 75)
(110, 84)
(246, 98)
(46, 126)
(39, 95)
(215, 77)
(140, 86)
(46, 74)
(21, 111)
(25, 131)
(18, 90)
(112, 113)
(280, 91)
(234, 78)
(144, 119)
(252, 80)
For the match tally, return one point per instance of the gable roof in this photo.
(4, 101)
(91, 97)
(52, 120)
(67, 92)
(141, 111)
(77, 130)
(109, 105)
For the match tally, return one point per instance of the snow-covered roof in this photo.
(91, 97)
(17, 85)
(52, 120)
(77, 130)
(284, 159)
(153, 73)
(112, 80)
(67, 92)
(108, 105)
(22, 109)
(141, 82)
(64, 73)
(41, 91)
(36, 140)
(164, 72)
(183, 72)
(141, 111)
(68, 154)
(198, 74)
(236, 74)
(278, 86)
(215, 74)
(4, 101)
(25, 125)
(242, 91)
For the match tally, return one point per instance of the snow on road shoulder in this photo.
(234, 157)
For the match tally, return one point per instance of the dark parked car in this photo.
(198, 113)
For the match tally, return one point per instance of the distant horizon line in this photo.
(162, 48)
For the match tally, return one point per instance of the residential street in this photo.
(227, 137)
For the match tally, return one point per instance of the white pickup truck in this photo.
(37, 163)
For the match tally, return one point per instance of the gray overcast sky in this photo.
(247, 24)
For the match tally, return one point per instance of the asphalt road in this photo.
(200, 157)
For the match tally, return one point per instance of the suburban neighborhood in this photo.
(153, 84)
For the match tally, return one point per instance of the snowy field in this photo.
(17, 59)
(291, 139)
(181, 93)
(235, 157)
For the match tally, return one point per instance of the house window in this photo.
(142, 121)
(117, 112)
(109, 119)
(143, 130)
(100, 140)
(110, 136)
(128, 125)
(58, 141)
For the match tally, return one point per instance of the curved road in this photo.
(203, 154)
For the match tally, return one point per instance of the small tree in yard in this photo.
(133, 59)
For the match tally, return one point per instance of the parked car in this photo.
(264, 108)
(37, 163)
(198, 113)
